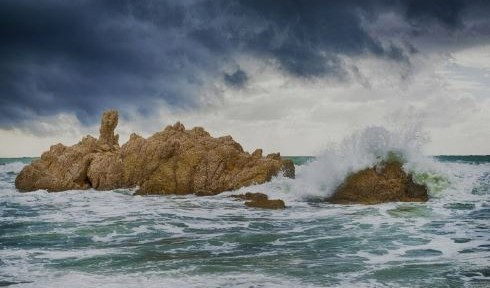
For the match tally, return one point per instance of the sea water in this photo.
(113, 239)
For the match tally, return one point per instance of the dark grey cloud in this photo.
(447, 12)
(85, 56)
(236, 79)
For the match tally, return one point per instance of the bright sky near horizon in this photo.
(288, 76)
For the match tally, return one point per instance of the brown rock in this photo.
(107, 139)
(260, 200)
(257, 153)
(386, 182)
(266, 204)
(105, 171)
(251, 196)
(180, 161)
(288, 168)
(60, 168)
(174, 161)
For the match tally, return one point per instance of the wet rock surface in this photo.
(266, 204)
(173, 161)
(385, 182)
(251, 196)
(260, 200)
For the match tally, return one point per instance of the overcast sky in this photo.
(288, 76)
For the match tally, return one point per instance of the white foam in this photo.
(81, 280)
(14, 167)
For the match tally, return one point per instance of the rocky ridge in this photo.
(173, 161)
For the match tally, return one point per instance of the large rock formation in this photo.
(174, 161)
(385, 182)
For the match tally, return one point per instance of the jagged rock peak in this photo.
(108, 123)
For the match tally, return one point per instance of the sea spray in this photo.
(362, 149)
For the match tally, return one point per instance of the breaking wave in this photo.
(362, 149)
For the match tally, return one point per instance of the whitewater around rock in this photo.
(173, 161)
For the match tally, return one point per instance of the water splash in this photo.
(362, 149)
(13, 167)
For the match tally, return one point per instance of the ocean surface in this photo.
(114, 239)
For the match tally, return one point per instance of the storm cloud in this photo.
(85, 56)
(236, 79)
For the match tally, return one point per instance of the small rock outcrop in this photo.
(174, 161)
(260, 200)
(385, 182)
(249, 196)
(266, 204)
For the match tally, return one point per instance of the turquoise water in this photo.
(23, 160)
(300, 160)
(474, 159)
(114, 239)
